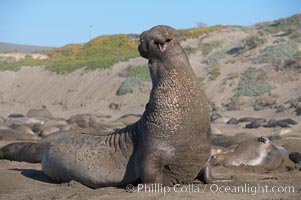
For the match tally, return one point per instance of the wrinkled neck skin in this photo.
(169, 64)
(175, 95)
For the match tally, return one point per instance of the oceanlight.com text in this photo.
(213, 188)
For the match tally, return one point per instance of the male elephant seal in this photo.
(254, 152)
(169, 144)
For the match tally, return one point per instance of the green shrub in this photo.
(279, 40)
(138, 70)
(233, 76)
(196, 32)
(16, 65)
(190, 50)
(277, 54)
(253, 83)
(216, 56)
(296, 36)
(286, 25)
(276, 27)
(298, 55)
(101, 52)
(252, 42)
(215, 72)
(135, 74)
(127, 85)
(201, 80)
(206, 48)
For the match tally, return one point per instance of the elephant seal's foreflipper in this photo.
(206, 176)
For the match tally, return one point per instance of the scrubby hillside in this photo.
(99, 53)
(248, 68)
(256, 68)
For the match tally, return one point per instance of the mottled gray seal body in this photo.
(170, 143)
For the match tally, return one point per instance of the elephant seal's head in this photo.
(163, 51)
(156, 40)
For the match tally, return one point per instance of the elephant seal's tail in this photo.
(24, 151)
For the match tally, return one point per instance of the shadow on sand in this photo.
(34, 174)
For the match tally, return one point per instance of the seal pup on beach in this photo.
(254, 152)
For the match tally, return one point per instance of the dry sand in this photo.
(26, 181)
(68, 94)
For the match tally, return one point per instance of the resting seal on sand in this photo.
(254, 152)
(169, 144)
(14, 151)
(9, 134)
(40, 112)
